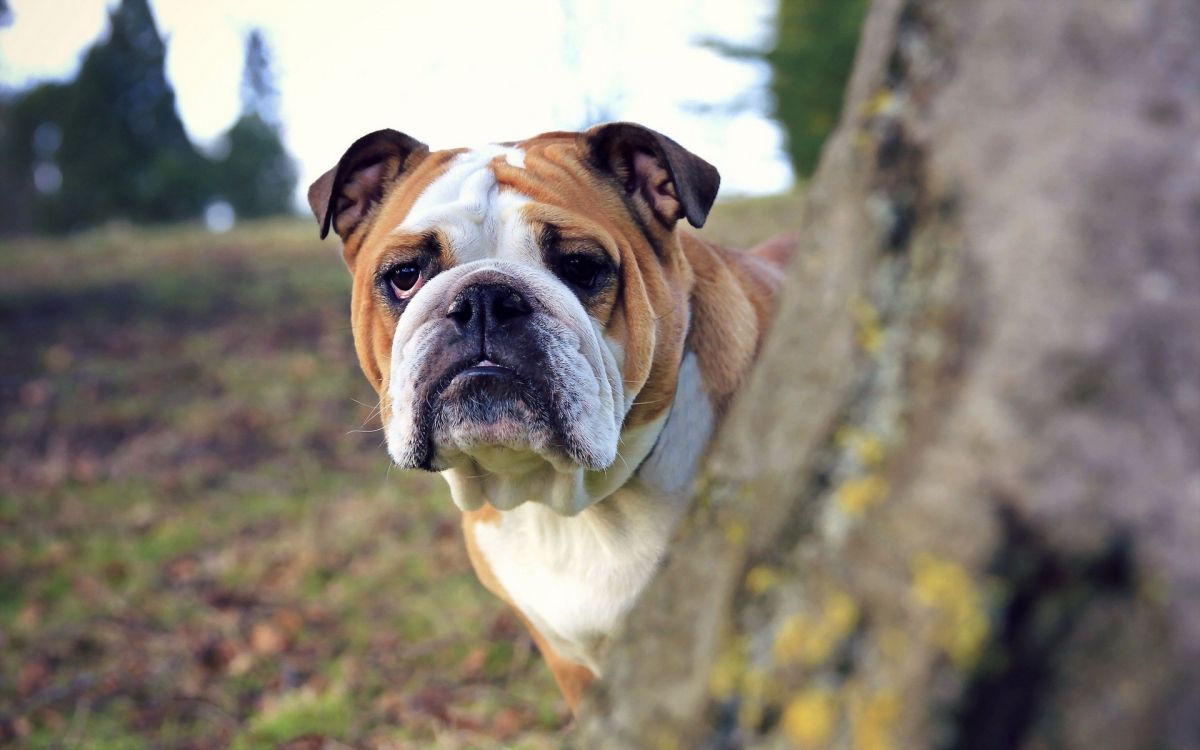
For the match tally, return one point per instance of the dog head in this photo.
(521, 309)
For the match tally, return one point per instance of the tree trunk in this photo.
(958, 504)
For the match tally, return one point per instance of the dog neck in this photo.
(662, 454)
(575, 577)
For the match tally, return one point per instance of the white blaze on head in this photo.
(466, 203)
(515, 157)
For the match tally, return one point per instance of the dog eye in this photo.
(582, 271)
(404, 280)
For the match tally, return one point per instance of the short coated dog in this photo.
(542, 334)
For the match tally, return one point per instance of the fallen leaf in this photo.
(266, 639)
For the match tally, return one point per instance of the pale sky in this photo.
(448, 73)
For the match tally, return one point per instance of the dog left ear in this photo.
(673, 181)
(345, 195)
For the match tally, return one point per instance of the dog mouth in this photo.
(481, 405)
(481, 380)
(485, 368)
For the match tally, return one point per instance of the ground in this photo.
(201, 542)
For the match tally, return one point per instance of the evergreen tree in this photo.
(257, 176)
(31, 205)
(119, 147)
(810, 61)
(259, 93)
(813, 53)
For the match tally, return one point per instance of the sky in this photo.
(447, 73)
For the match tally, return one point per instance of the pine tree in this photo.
(257, 175)
(260, 96)
(810, 61)
(121, 149)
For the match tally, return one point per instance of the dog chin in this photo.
(504, 451)
(508, 438)
(492, 432)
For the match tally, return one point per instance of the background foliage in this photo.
(110, 145)
(810, 59)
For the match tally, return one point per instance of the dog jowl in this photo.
(541, 332)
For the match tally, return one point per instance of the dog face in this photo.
(521, 309)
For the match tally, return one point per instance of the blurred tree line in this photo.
(813, 54)
(810, 60)
(110, 144)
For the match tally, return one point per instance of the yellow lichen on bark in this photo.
(873, 721)
(810, 641)
(810, 718)
(856, 496)
(961, 623)
(761, 579)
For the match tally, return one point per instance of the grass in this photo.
(201, 542)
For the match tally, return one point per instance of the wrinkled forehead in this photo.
(465, 204)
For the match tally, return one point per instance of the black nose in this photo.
(486, 307)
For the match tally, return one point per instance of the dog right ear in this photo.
(345, 195)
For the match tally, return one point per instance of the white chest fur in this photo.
(575, 577)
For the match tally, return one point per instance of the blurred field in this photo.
(201, 544)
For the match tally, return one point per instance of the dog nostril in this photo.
(486, 305)
(460, 309)
(511, 305)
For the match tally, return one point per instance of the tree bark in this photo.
(958, 503)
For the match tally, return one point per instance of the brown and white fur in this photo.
(540, 333)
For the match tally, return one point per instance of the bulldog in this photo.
(541, 333)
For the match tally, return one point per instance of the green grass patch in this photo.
(328, 713)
